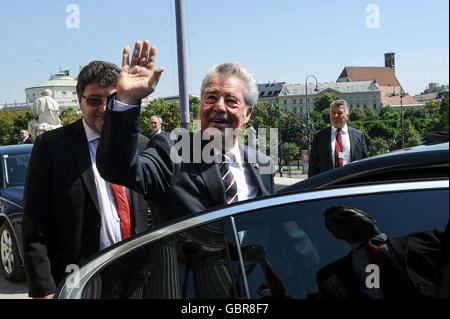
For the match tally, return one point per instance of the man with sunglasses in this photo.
(70, 211)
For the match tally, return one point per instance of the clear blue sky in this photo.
(283, 40)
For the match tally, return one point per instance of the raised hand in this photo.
(138, 79)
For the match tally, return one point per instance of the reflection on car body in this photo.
(271, 247)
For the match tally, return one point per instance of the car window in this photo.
(293, 244)
(196, 263)
(15, 168)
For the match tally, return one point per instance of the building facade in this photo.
(63, 87)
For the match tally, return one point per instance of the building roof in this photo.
(299, 89)
(59, 79)
(383, 75)
(270, 89)
(390, 95)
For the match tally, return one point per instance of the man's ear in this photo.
(248, 114)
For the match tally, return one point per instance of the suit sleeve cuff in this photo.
(117, 106)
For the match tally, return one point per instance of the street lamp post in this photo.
(307, 110)
(402, 94)
(280, 167)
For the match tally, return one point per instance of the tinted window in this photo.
(15, 167)
(293, 243)
(192, 264)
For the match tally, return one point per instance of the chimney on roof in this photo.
(389, 60)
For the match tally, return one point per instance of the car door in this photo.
(294, 243)
(264, 248)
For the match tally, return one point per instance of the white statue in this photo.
(45, 112)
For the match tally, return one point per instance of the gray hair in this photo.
(158, 118)
(339, 103)
(235, 69)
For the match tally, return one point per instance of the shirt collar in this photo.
(344, 129)
(90, 133)
(235, 152)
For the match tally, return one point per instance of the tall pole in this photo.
(182, 65)
(401, 115)
(280, 166)
(307, 111)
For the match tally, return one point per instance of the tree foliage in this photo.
(11, 122)
(323, 101)
(68, 116)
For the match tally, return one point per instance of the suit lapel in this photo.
(351, 136)
(212, 179)
(254, 174)
(328, 148)
(80, 150)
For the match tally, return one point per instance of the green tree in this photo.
(293, 129)
(377, 146)
(194, 107)
(68, 116)
(289, 152)
(357, 115)
(443, 116)
(389, 113)
(323, 101)
(371, 115)
(11, 122)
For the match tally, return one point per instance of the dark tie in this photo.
(338, 162)
(390, 278)
(228, 180)
(123, 209)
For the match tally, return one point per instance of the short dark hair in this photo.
(101, 72)
(339, 211)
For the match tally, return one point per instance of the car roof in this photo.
(420, 162)
(16, 149)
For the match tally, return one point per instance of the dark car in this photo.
(13, 168)
(276, 246)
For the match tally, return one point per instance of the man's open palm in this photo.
(138, 78)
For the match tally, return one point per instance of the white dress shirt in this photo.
(345, 144)
(110, 232)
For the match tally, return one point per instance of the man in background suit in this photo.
(25, 136)
(338, 145)
(70, 212)
(406, 264)
(174, 187)
(155, 125)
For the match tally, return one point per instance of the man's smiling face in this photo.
(223, 105)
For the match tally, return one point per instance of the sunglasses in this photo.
(94, 101)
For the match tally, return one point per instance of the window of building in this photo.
(301, 101)
(285, 102)
(362, 88)
(295, 101)
(350, 88)
(295, 91)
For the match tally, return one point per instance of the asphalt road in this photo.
(9, 290)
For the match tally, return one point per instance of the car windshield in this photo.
(15, 168)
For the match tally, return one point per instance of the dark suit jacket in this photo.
(320, 159)
(172, 189)
(61, 219)
(28, 140)
(416, 252)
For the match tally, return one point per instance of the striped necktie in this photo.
(228, 180)
(338, 162)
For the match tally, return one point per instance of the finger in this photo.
(126, 56)
(156, 76)
(144, 53)
(152, 58)
(136, 51)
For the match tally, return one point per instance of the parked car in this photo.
(13, 167)
(270, 247)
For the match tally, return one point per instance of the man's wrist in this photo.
(125, 99)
